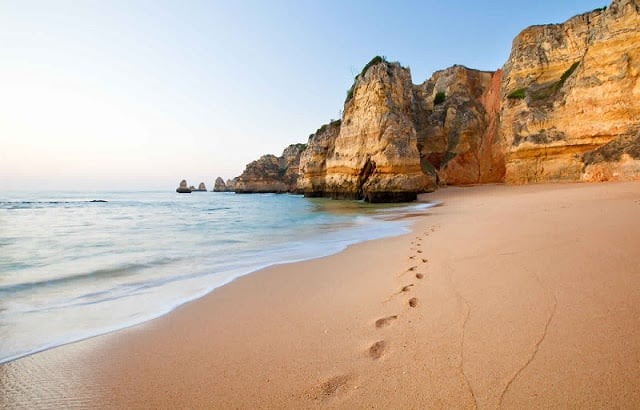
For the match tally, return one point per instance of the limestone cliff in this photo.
(313, 161)
(270, 173)
(571, 99)
(565, 107)
(455, 114)
(375, 154)
(396, 139)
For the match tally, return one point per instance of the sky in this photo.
(135, 95)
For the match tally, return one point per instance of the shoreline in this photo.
(529, 295)
(314, 247)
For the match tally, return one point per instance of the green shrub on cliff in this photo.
(350, 92)
(439, 98)
(375, 60)
(568, 73)
(551, 89)
(518, 94)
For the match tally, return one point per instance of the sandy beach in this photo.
(504, 296)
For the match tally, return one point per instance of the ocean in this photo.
(72, 268)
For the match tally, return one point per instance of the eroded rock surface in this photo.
(270, 173)
(375, 155)
(456, 113)
(571, 107)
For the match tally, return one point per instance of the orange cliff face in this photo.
(456, 116)
(571, 106)
(313, 161)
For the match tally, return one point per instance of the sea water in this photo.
(72, 268)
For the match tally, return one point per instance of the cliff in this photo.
(375, 155)
(570, 106)
(564, 107)
(456, 114)
(397, 139)
(313, 161)
(270, 173)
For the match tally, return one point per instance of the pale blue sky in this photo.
(140, 94)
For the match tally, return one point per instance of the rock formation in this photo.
(271, 174)
(219, 185)
(231, 184)
(183, 188)
(313, 161)
(565, 107)
(396, 139)
(201, 188)
(571, 106)
(456, 114)
(375, 155)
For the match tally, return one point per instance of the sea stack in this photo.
(219, 185)
(183, 188)
(375, 156)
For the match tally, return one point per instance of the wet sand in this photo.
(504, 296)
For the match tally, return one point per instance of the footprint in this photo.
(407, 288)
(331, 386)
(385, 321)
(411, 269)
(419, 275)
(419, 251)
(413, 302)
(377, 349)
(425, 260)
(412, 257)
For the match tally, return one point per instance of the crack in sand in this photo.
(462, 338)
(536, 347)
(464, 327)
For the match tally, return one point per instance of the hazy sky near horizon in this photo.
(140, 94)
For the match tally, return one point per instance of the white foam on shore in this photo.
(156, 297)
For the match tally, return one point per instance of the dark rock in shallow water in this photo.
(98, 200)
(183, 188)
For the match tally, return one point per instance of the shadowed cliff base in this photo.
(373, 197)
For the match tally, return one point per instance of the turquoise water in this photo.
(71, 268)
